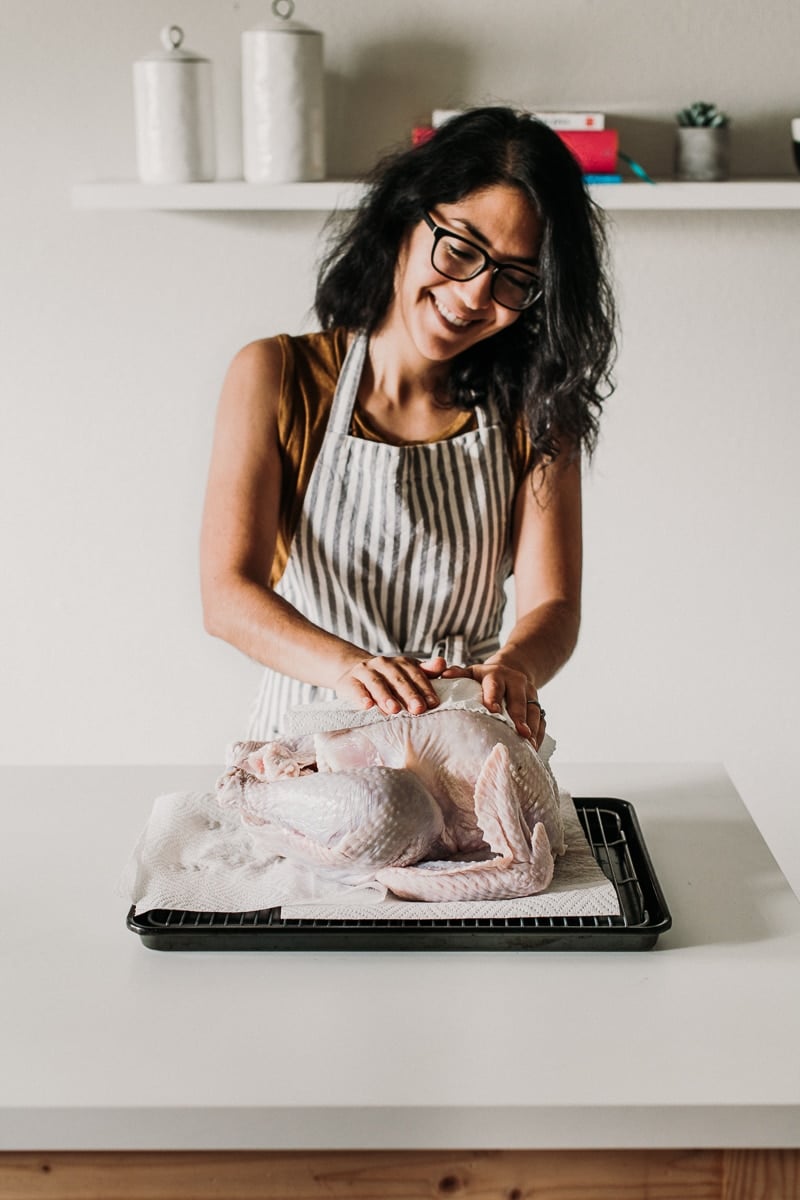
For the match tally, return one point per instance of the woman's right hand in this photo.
(393, 683)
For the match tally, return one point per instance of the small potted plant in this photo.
(702, 146)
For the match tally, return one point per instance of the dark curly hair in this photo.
(553, 365)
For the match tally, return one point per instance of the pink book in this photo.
(595, 149)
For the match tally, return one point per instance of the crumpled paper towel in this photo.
(195, 855)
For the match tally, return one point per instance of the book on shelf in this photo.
(556, 120)
(440, 115)
(421, 134)
(572, 120)
(594, 146)
(597, 150)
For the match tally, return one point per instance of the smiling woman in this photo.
(372, 486)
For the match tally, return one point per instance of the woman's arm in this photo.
(548, 556)
(239, 533)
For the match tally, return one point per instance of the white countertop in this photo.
(105, 1044)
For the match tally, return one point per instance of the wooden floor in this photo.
(405, 1175)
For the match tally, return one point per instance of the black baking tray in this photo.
(613, 833)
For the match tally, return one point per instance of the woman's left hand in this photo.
(505, 685)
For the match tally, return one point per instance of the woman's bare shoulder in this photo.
(251, 392)
(258, 364)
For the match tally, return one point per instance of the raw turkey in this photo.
(449, 805)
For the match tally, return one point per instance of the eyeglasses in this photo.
(457, 257)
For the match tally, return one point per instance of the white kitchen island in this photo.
(396, 1074)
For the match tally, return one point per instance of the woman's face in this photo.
(444, 317)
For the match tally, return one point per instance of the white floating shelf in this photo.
(732, 194)
(235, 195)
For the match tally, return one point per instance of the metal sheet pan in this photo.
(616, 840)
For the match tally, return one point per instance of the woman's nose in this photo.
(476, 292)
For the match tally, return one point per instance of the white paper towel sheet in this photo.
(194, 855)
(459, 695)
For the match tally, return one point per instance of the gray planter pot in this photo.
(702, 153)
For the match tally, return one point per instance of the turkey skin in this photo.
(449, 805)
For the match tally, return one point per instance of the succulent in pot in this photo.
(702, 115)
(702, 143)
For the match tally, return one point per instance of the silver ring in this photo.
(536, 702)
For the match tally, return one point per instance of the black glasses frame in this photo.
(488, 263)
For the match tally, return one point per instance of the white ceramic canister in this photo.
(174, 113)
(283, 101)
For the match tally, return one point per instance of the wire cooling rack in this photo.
(612, 831)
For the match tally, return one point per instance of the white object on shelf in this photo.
(283, 103)
(329, 194)
(174, 113)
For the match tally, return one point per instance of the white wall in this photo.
(116, 330)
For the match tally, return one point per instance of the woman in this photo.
(372, 486)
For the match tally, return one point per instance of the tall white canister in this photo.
(174, 113)
(283, 100)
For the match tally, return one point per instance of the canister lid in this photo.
(172, 48)
(281, 22)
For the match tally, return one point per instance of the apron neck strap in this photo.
(344, 398)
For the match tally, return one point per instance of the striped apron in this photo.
(398, 549)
